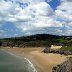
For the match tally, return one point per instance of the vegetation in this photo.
(0, 43)
(39, 40)
(67, 48)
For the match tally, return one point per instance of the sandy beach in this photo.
(42, 61)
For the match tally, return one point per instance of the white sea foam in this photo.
(31, 64)
(13, 54)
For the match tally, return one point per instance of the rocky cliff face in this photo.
(64, 67)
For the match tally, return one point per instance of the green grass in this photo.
(68, 48)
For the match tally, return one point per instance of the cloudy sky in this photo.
(27, 17)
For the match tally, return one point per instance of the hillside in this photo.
(38, 40)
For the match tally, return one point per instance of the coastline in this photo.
(41, 61)
(28, 60)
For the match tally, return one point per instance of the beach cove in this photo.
(42, 62)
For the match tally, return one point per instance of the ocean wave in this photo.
(31, 64)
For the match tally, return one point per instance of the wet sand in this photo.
(42, 61)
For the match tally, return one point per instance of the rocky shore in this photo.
(48, 50)
(64, 67)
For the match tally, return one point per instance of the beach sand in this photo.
(42, 61)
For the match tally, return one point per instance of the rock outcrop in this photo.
(48, 50)
(64, 67)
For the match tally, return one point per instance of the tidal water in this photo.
(11, 63)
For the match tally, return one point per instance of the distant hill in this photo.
(36, 40)
(39, 36)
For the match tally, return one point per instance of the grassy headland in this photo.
(39, 40)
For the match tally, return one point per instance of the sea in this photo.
(10, 62)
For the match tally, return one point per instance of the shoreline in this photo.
(41, 61)
(23, 57)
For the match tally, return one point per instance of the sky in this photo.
(29, 17)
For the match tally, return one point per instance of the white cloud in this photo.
(47, 22)
(37, 16)
(41, 8)
(64, 14)
(64, 11)
(32, 19)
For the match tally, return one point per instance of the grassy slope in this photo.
(67, 48)
(38, 40)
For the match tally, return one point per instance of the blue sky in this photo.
(54, 4)
(27, 17)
